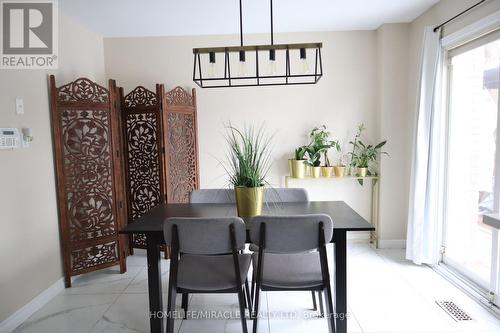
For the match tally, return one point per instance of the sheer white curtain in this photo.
(425, 207)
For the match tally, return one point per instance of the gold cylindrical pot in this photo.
(362, 172)
(298, 168)
(326, 171)
(315, 172)
(339, 171)
(249, 200)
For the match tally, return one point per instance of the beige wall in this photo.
(29, 240)
(394, 126)
(344, 97)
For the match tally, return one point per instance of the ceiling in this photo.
(128, 18)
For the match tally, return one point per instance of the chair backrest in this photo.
(213, 195)
(285, 195)
(291, 234)
(200, 235)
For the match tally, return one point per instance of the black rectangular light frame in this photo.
(229, 81)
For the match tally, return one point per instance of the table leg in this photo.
(154, 284)
(339, 238)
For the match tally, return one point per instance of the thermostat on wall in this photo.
(9, 138)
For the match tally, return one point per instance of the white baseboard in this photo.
(18, 317)
(392, 244)
(358, 235)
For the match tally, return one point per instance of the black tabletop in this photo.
(343, 216)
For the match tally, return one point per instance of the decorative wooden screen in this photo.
(181, 144)
(87, 158)
(141, 117)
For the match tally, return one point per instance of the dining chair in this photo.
(283, 195)
(292, 257)
(276, 195)
(213, 195)
(211, 261)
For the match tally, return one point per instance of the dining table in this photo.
(344, 218)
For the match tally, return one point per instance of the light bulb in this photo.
(272, 67)
(211, 70)
(243, 71)
(305, 66)
(211, 65)
(303, 60)
(272, 62)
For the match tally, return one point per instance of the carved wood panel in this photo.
(143, 130)
(85, 140)
(181, 145)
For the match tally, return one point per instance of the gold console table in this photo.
(374, 197)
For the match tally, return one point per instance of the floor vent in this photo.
(454, 311)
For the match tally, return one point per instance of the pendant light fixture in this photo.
(287, 64)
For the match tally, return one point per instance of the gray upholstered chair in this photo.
(212, 195)
(211, 261)
(275, 195)
(292, 257)
(283, 195)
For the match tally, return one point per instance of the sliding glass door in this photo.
(472, 185)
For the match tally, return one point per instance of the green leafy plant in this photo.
(300, 153)
(361, 128)
(320, 144)
(249, 156)
(365, 154)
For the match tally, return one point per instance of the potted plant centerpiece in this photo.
(298, 163)
(362, 154)
(320, 144)
(249, 161)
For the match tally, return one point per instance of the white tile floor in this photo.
(385, 294)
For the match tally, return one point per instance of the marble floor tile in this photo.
(386, 293)
(105, 281)
(68, 313)
(140, 282)
(225, 317)
(129, 313)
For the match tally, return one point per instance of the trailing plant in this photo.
(320, 144)
(249, 156)
(300, 153)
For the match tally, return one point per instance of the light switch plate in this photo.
(19, 105)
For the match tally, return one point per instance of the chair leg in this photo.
(329, 309)
(241, 301)
(172, 293)
(185, 300)
(321, 309)
(255, 314)
(315, 308)
(249, 297)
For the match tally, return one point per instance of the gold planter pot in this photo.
(339, 171)
(315, 171)
(249, 200)
(326, 171)
(362, 172)
(298, 168)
